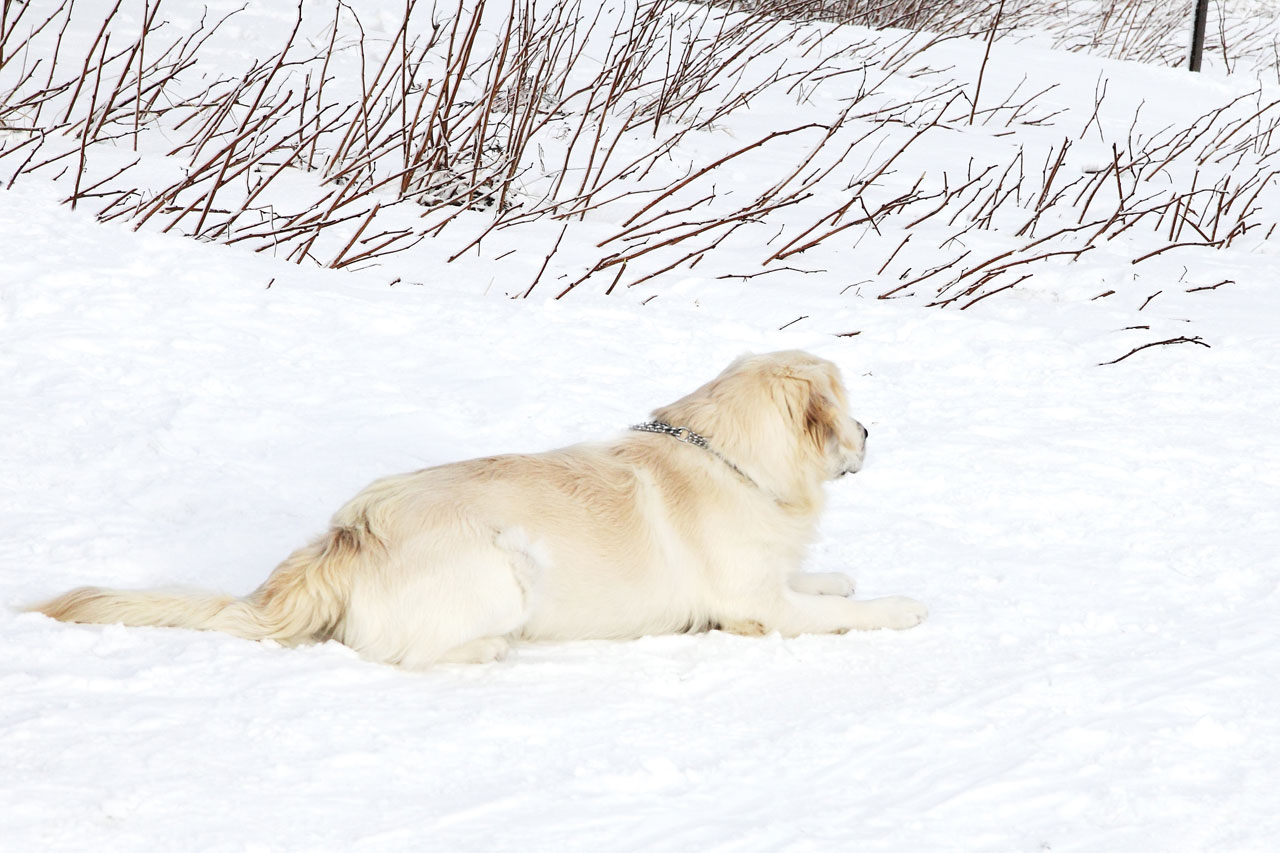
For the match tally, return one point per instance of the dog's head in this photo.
(782, 417)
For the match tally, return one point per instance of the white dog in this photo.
(696, 520)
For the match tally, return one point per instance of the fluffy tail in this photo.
(303, 600)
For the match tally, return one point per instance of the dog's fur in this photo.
(646, 535)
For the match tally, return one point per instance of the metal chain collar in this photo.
(683, 433)
(688, 436)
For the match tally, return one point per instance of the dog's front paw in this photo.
(836, 583)
(480, 650)
(899, 612)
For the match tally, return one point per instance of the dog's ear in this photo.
(823, 407)
(821, 415)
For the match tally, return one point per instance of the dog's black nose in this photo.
(865, 432)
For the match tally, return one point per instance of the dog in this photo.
(696, 520)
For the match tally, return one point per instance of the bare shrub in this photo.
(627, 123)
(1138, 30)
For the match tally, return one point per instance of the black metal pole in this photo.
(1197, 33)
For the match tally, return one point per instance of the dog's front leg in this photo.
(798, 613)
(821, 583)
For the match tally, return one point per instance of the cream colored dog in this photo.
(697, 520)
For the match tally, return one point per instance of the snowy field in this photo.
(1097, 543)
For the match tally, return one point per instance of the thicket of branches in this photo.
(1139, 30)
(472, 120)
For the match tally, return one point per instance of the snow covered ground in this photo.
(1097, 546)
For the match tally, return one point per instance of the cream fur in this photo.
(644, 535)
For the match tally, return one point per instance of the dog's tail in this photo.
(303, 600)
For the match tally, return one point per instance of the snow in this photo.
(1096, 544)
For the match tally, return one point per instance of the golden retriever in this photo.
(697, 520)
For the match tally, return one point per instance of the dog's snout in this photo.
(865, 432)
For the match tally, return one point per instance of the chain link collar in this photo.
(688, 436)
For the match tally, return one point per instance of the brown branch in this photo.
(337, 263)
(1182, 339)
(982, 70)
(545, 262)
(970, 303)
(1213, 245)
(1210, 286)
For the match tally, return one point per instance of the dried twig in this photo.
(1181, 339)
